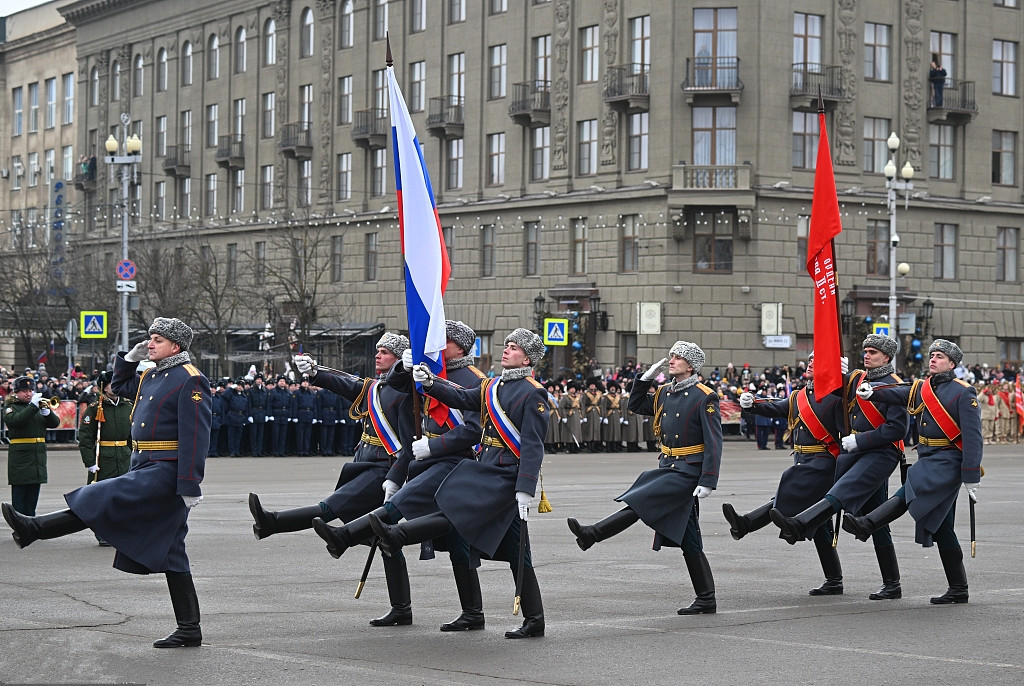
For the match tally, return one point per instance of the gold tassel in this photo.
(544, 505)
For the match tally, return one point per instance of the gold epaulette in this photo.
(534, 382)
(479, 374)
(707, 391)
(191, 369)
(962, 383)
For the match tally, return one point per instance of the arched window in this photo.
(137, 86)
(161, 70)
(115, 82)
(186, 64)
(306, 38)
(94, 87)
(347, 25)
(240, 50)
(269, 43)
(213, 58)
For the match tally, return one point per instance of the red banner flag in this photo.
(821, 265)
(1020, 404)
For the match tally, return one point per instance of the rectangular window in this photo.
(17, 172)
(1011, 352)
(305, 197)
(185, 121)
(306, 103)
(542, 58)
(267, 101)
(876, 152)
(238, 118)
(266, 186)
(945, 251)
(497, 72)
(640, 43)
(715, 37)
(878, 247)
(487, 250)
(417, 86)
(531, 256)
(49, 165)
(345, 176)
(805, 140)
(33, 107)
(161, 135)
(943, 46)
(1004, 155)
(540, 153)
(238, 191)
(211, 126)
(941, 141)
(638, 141)
(381, 103)
(298, 261)
(579, 246)
(231, 270)
(586, 136)
(590, 54)
(418, 16)
(159, 199)
(495, 159)
(185, 198)
(455, 157)
(346, 30)
(380, 19)
(498, 6)
(378, 172)
(713, 241)
(876, 51)
(456, 11)
(211, 194)
(260, 263)
(67, 162)
(345, 100)
(370, 266)
(1006, 3)
(34, 170)
(807, 29)
(457, 74)
(17, 121)
(337, 259)
(51, 103)
(1004, 67)
(1006, 254)
(69, 99)
(714, 147)
(448, 235)
(630, 244)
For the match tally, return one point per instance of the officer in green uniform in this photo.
(106, 427)
(27, 419)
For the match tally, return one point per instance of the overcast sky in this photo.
(12, 6)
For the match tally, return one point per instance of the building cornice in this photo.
(87, 11)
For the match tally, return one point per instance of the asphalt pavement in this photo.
(281, 610)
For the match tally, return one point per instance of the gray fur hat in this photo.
(888, 346)
(395, 342)
(173, 330)
(690, 352)
(460, 334)
(949, 348)
(530, 342)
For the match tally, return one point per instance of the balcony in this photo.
(956, 105)
(708, 78)
(297, 140)
(445, 116)
(809, 79)
(176, 161)
(715, 186)
(370, 129)
(231, 151)
(531, 103)
(628, 88)
(85, 181)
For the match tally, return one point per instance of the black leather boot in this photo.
(186, 613)
(472, 617)
(830, 565)
(890, 568)
(341, 538)
(741, 525)
(394, 536)
(27, 530)
(703, 585)
(804, 524)
(611, 525)
(397, 575)
(283, 521)
(532, 607)
(863, 527)
(956, 575)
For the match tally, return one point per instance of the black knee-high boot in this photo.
(830, 565)
(531, 605)
(394, 536)
(283, 521)
(611, 525)
(472, 618)
(741, 525)
(341, 538)
(890, 569)
(801, 526)
(186, 612)
(863, 527)
(956, 575)
(703, 585)
(27, 530)
(397, 575)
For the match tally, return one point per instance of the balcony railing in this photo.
(445, 116)
(731, 177)
(176, 161)
(531, 103)
(297, 140)
(370, 128)
(712, 75)
(955, 98)
(231, 151)
(628, 87)
(809, 77)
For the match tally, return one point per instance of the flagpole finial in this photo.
(821, 101)
(388, 59)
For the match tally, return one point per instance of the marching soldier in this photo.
(612, 407)
(239, 415)
(687, 419)
(259, 402)
(949, 453)
(592, 416)
(282, 409)
(27, 419)
(305, 415)
(570, 410)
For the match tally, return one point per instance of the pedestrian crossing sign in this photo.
(880, 328)
(555, 332)
(93, 324)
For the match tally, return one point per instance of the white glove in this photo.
(701, 492)
(315, 421)
(746, 400)
(250, 420)
(294, 420)
(565, 420)
(192, 500)
(421, 374)
(844, 365)
(604, 421)
(407, 358)
(972, 491)
(94, 468)
(268, 418)
(583, 421)
(623, 421)
(850, 443)
(524, 500)
(654, 370)
(305, 364)
(390, 488)
(421, 448)
(36, 397)
(44, 412)
(865, 390)
(139, 353)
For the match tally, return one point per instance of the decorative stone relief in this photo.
(610, 118)
(913, 83)
(844, 147)
(560, 86)
(325, 9)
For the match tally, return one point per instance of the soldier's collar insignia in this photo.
(197, 397)
(711, 409)
(540, 408)
(974, 403)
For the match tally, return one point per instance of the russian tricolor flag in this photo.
(426, 261)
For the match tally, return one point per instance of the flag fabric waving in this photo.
(1019, 404)
(426, 260)
(821, 265)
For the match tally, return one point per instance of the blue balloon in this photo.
(576, 345)
(868, 320)
(915, 344)
(917, 356)
(576, 328)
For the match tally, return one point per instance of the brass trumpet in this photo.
(53, 402)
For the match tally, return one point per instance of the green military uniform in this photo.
(114, 437)
(26, 456)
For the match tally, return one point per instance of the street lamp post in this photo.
(892, 186)
(131, 149)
